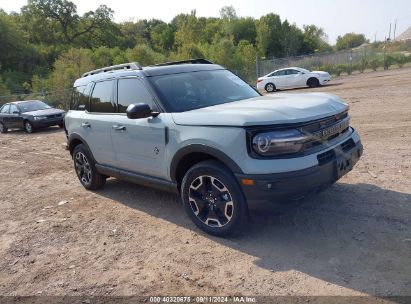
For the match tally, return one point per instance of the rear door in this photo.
(95, 124)
(139, 143)
(4, 115)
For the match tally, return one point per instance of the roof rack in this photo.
(124, 66)
(192, 61)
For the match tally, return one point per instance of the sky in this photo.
(336, 17)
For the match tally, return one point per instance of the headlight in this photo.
(39, 117)
(278, 142)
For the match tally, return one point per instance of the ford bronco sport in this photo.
(194, 128)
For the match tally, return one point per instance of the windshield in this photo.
(33, 106)
(194, 90)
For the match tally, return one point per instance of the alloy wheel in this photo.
(211, 201)
(83, 168)
(29, 127)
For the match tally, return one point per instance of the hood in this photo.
(283, 108)
(45, 112)
(321, 73)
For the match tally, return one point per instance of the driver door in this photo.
(139, 144)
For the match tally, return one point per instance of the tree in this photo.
(144, 55)
(162, 37)
(315, 40)
(189, 30)
(68, 67)
(269, 32)
(64, 14)
(350, 40)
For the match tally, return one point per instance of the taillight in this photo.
(259, 80)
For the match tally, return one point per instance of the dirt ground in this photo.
(353, 239)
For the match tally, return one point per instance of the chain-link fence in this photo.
(346, 61)
(59, 99)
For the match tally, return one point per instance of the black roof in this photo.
(192, 65)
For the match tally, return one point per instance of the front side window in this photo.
(35, 105)
(14, 109)
(194, 90)
(292, 72)
(5, 109)
(102, 97)
(132, 90)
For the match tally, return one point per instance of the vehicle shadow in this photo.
(306, 88)
(49, 130)
(355, 236)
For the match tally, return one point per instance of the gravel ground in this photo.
(56, 238)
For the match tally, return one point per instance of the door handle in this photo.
(119, 128)
(85, 125)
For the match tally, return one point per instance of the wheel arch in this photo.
(312, 78)
(74, 141)
(190, 155)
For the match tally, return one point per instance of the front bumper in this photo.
(47, 122)
(299, 184)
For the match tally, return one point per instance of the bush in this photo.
(400, 60)
(340, 68)
(374, 64)
(362, 65)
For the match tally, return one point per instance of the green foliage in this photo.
(49, 44)
(144, 55)
(68, 67)
(350, 40)
(400, 60)
(375, 63)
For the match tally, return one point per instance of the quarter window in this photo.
(5, 109)
(132, 90)
(101, 98)
(78, 98)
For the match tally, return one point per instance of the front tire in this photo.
(213, 199)
(3, 128)
(85, 167)
(28, 127)
(270, 87)
(313, 82)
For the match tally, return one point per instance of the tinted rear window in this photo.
(102, 97)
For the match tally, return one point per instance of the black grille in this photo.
(347, 145)
(325, 157)
(54, 116)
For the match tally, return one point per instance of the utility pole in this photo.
(389, 34)
(395, 27)
(375, 37)
(257, 65)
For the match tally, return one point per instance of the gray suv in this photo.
(196, 129)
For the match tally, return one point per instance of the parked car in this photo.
(196, 129)
(292, 78)
(29, 115)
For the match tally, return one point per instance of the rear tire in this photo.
(270, 87)
(85, 167)
(3, 128)
(28, 127)
(213, 199)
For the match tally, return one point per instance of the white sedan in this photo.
(292, 78)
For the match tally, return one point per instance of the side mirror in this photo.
(140, 110)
